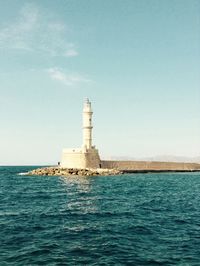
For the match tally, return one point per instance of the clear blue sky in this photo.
(137, 60)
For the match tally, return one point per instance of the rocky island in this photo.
(60, 171)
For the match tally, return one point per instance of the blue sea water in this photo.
(133, 219)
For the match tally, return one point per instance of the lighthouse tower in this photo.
(87, 156)
(87, 125)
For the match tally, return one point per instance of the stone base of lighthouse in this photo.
(80, 158)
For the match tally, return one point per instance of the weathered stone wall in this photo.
(80, 159)
(73, 159)
(92, 159)
(144, 165)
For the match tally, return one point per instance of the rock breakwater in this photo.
(58, 171)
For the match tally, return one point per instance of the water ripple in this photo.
(138, 219)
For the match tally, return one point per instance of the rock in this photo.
(56, 171)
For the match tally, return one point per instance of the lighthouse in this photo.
(87, 125)
(87, 156)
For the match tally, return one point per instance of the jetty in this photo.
(119, 168)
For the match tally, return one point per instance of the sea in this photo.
(130, 219)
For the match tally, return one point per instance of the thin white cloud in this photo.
(35, 31)
(68, 79)
(71, 53)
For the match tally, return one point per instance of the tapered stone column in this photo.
(87, 125)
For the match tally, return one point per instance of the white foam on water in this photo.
(22, 173)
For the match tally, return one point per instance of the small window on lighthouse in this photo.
(90, 119)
